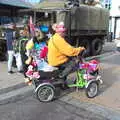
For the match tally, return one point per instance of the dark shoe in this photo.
(10, 72)
(20, 71)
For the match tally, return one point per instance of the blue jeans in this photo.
(17, 56)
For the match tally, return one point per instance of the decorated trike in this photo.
(86, 76)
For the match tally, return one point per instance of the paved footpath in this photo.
(107, 103)
(12, 85)
(8, 80)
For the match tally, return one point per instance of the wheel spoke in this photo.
(45, 93)
(92, 90)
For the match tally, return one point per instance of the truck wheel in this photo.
(97, 46)
(86, 44)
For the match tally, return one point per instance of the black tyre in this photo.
(97, 46)
(92, 89)
(45, 93)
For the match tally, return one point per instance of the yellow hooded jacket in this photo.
(59, 50)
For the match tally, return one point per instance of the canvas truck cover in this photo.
(85, 18)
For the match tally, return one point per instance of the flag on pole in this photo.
(32, 27)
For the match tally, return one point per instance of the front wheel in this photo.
(92, 89)
(45, 93)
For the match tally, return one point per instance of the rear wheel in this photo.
(45, 93)
(97, 46)
(92, 89)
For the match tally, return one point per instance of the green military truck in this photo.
(86, 25)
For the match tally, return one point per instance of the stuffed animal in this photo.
(44, 52)
(29, 73)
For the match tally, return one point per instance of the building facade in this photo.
(115, 18)
(9, 9)
(114, 8)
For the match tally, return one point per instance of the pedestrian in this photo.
(11, 42)
(24, 37)
(60, 51)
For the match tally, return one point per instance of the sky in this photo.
(33, 1)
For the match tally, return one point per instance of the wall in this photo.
(115, 13)
(115, 10)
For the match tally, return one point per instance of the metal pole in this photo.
(115, 27)
(34, 17)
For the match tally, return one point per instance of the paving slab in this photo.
(7, 81)
(108, 96)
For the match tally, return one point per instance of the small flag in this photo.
(32, 27)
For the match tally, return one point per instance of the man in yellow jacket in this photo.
(59, 50)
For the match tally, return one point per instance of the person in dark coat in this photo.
(11, 38)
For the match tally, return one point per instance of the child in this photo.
(37, 49)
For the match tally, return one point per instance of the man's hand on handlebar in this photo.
(82, 52)
(82, 48)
